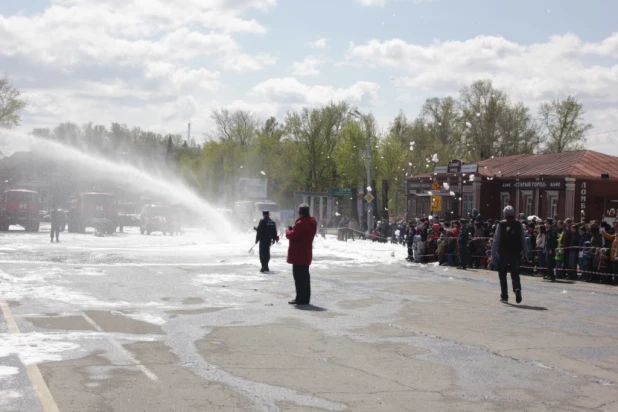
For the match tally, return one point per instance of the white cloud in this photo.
(141, 62)
(318, 44)
(381, 3)
(308, 67)
(372, 2)
(560, 66)
(243, 62)
(533, 72)
(289, 91)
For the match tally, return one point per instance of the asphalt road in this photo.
(156, 323)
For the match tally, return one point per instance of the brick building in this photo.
(582, 185)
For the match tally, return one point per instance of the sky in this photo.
(161, 64)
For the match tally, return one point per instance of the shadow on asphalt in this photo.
(526, 307)
(311, 308)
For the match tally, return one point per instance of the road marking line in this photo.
(121, 348)
(34, 374)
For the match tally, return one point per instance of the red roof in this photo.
(581, 164)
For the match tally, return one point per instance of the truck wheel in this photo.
(141, 229)
(35, 226)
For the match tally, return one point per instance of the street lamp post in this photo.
(359, 116)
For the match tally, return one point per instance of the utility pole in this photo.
(363, 118)
(189, 134)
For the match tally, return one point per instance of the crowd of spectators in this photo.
(555, 248)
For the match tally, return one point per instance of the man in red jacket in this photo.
(300, 253)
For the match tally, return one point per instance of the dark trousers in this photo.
(302, 280)
(551, 264)
(509, 262)
(264, 253)
(55, 231)
(573, 258)
(463, 256)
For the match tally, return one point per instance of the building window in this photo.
(468, 201)
(528, 205)
(553, 206)
(506, 199)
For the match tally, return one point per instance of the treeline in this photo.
(314, 149)
(115, 141)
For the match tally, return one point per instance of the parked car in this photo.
(159, 218)
(128, 220)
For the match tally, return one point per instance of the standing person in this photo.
(479, 244)
(551, 243)
(509, 244)
(612, 239)
(411, 232)
(567, 244)
(574, 252)
(540, 248)
(300, 254)
(266, 236)
(560, 273)
(56, 221)
(353, 228)
(462, 245)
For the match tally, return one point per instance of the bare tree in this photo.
(443, 117)
(519, 133)
(239, 127)
(494, 126)
(11, 105)
(564, 125)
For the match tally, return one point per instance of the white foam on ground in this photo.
(36, 286)
(88, 272)
(146, 317)
(218, 278)
(7, 397)
(37, 347)
(331, 252)
(8, 371)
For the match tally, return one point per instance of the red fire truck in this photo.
(19, 207)
(97, 210)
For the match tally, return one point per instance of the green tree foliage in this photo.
(493, 125)
(11, 105)
(316, 133)
(563, 125)
(315, 149)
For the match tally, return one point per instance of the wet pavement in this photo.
(156, 323)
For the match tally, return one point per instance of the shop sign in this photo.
(469, 168)
(342, 192)
(436, 204)
(440, 169)
(535, 184)
(454, 166)
(582, 200)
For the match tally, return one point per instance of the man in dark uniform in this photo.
(266, 236)
(508, 245)
(462, 245)
(55, 219)
(551, 243)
